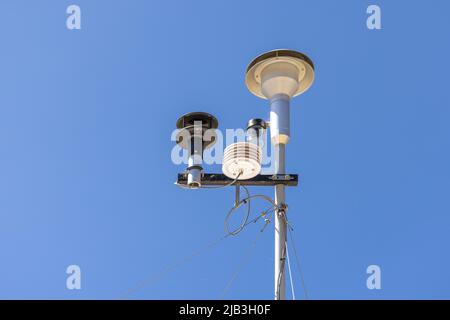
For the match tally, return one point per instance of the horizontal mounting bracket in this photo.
(218, 179)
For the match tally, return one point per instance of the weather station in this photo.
(276, 76)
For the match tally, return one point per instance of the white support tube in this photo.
(195, 160)
(280, 119)
(279, 131)
(194, 178)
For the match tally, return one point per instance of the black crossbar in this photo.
(217, 179)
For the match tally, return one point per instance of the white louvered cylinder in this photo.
(242, 158)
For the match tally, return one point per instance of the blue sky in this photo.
(86, 176)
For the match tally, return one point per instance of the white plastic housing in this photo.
(280, 131)
(194, 179)
(280, 77)
(242, 159)
(279, 72)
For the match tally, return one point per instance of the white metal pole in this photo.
(279, 126)
(280, 230)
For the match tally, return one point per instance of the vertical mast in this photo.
(278, 76)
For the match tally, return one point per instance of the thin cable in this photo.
(282, 271)
(153, 279)
(244, 260)
(178, 264)
(247, 201)
(233, 209)
(298, 265)
(290, 272)
(224, 186)
(157, 277)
